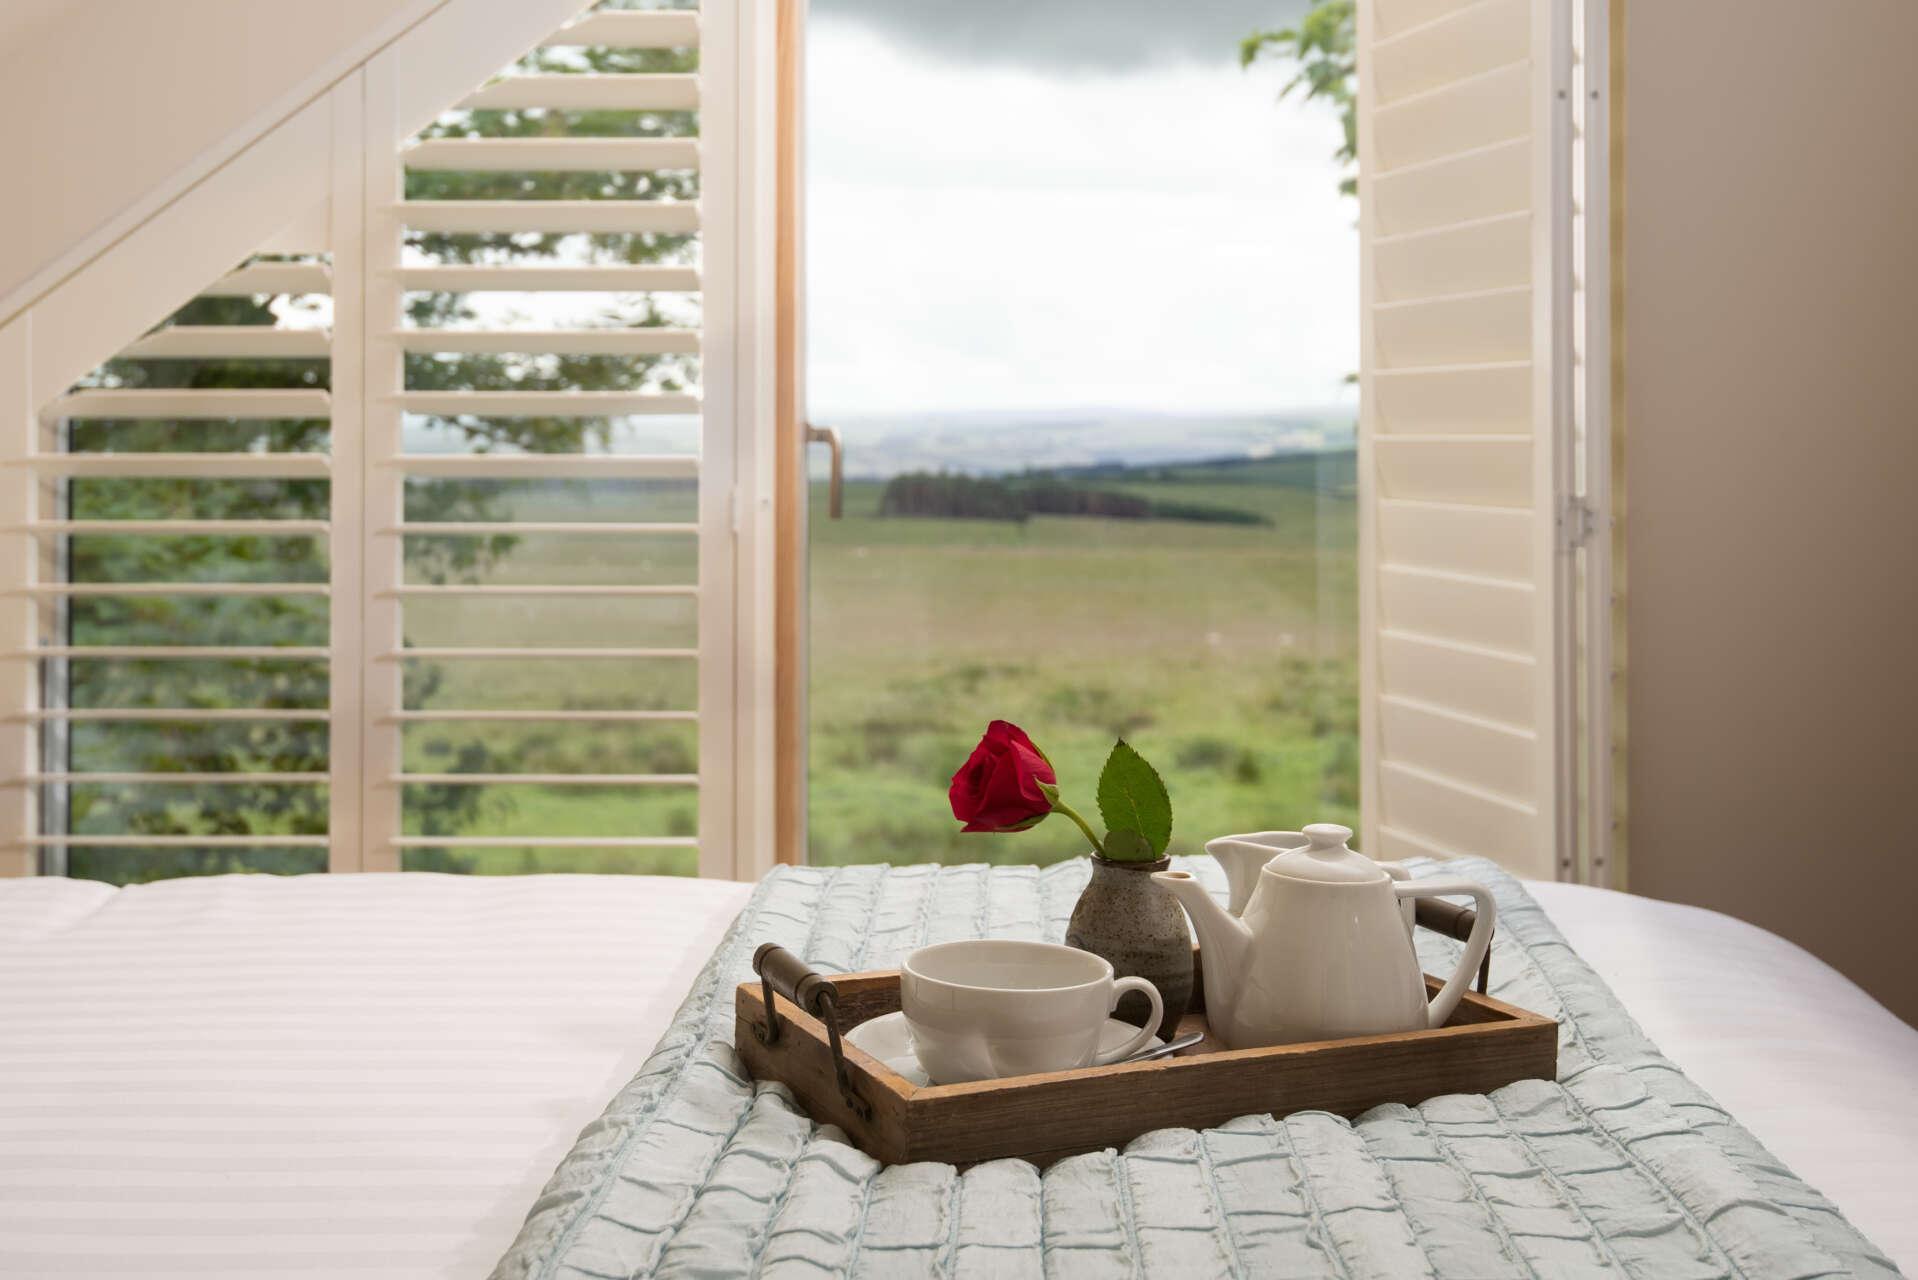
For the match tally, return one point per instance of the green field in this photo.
(1225, 653)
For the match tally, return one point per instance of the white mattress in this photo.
(374, 1075)
(1824, 1075)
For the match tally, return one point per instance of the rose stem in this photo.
(1060, 806)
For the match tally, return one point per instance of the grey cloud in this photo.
(1067, 35)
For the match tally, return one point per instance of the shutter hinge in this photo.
(1577, 522)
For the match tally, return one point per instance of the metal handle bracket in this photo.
(782, 971)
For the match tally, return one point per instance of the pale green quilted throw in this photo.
(1620, 1167)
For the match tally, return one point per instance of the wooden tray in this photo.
(1043, 1118)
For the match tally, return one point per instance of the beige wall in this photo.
(135, 89)
(1771, 303)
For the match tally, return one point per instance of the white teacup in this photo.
(986, 1008)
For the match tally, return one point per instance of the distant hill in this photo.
(1078, 442)
(1329, 470)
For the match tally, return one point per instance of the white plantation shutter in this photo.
(662, 643)
(1469, 667)
(489, 494)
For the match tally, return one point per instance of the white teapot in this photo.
(1321, 950)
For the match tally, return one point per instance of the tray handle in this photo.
(782, 971)
(1454, 921)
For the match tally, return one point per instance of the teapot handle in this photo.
(1481, 937)
(1400, 872)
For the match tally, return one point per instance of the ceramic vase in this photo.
(1140, 929)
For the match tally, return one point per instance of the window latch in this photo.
(1577, 522)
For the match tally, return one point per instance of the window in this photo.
(1082, 310)
(406, 494)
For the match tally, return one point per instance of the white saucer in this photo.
(887, 1039)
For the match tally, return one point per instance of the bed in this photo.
(375, 1075)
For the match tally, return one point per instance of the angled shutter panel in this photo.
(179, 521)
(1465, 193)
(165, 588)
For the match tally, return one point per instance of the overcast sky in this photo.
(1064, 204)
(1051, 35)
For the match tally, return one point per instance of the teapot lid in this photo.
(1325, 858)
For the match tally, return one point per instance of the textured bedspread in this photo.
(1622, 1166)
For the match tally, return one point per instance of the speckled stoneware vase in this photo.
(1140, 929)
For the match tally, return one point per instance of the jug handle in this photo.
(1481, 937)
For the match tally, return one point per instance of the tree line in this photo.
(954, 495)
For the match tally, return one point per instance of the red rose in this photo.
(997, 789)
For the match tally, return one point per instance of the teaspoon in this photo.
(1169, 1048)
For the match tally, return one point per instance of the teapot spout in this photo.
(1243, 857)
(1223, 937)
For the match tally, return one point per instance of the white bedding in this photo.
(374, 1075)
(338, 1076)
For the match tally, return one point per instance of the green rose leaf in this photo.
(1132, 798)
(1128, 846)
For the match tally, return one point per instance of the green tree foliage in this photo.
(291, 746)
(1323, 48)
(950, 495)
(300, 746)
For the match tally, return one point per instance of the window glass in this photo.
(1081, 305)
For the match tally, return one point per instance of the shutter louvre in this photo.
(680, 216)
(1494, 397)
(606, 92)
(1450, 48)
(1467, 257)
(1480, 183)
(559, 155)
(629, 29)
